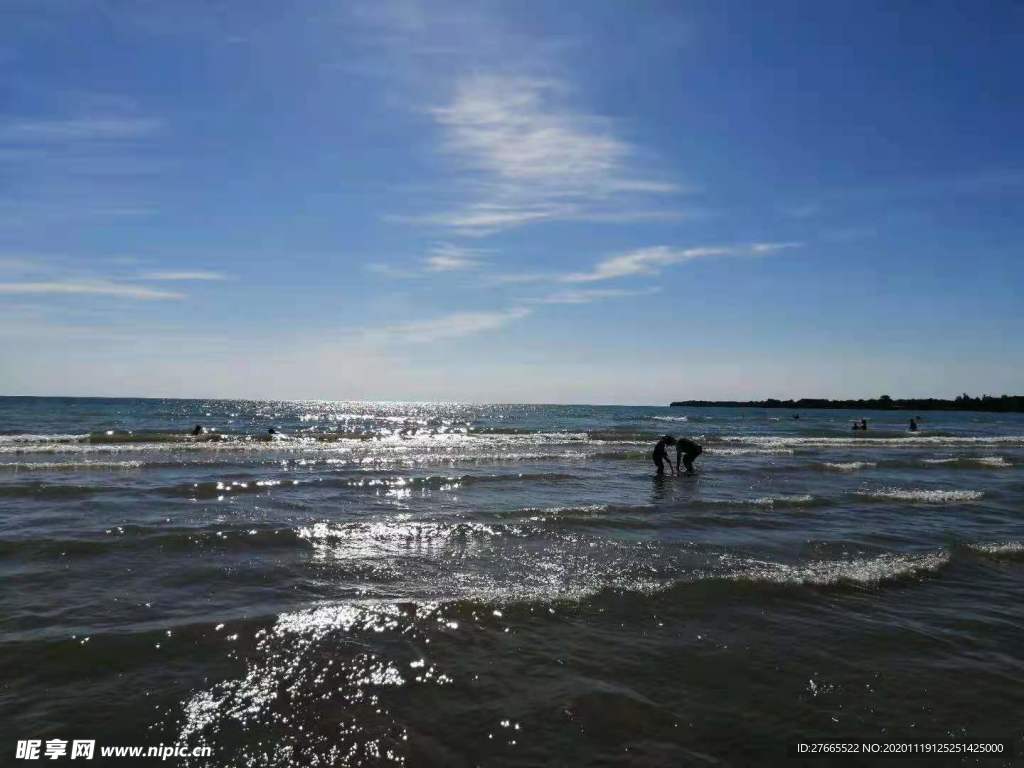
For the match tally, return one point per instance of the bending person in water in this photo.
(686, 452)
(660, 455)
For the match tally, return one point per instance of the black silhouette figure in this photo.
(660, 455)
(686, 452)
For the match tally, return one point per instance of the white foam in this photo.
(930, 496)
(825, 572)
(726, 451)
(982, 461)
(867, 441)
(58, 465)
(801, 498)
(849, 466)
(1000, 548)
(28, 438)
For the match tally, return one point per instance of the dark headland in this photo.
(964, 402)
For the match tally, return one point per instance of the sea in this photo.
(439, 584)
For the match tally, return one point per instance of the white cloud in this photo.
(194, 275)
(763, 248)
(449, 258)
(524, 277)
(88, 287)
(508, 126)
(650, 261)
(643, 261)
(442, 263)
(536, 159)
(480, 219)
(589, 295)
(455, 325)
(78, 129)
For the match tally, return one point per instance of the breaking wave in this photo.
(971, 462)
(861, 571)
(1006, 550)
(849, 466)
(928, 496)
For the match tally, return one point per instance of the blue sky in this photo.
(539, 202)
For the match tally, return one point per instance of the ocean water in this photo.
(422, 584)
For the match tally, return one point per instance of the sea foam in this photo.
(926, 495)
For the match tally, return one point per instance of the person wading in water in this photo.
(660, 455)
(686, 452)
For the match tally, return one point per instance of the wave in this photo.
(445, 482)
(971, 462)
(925, 495)
(784, 500)
(391, 533)
(861, 571)
(145, 538)
(18, 439)
(670, 418)
(866, 441)
(849, 466)
(363, 652)
(718, 450)
(41, 490)
(45, 466)
(1007, 550)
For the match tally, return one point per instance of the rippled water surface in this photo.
(457, 585)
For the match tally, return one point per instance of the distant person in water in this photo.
(862, 426)
(198, 430)
(271, 431)
(686, 452)
(913, 424)
(660, 455)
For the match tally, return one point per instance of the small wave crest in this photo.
(925, 495)
(784, 499)
(20, 439)
(971, 462)
(869, 441)
(1005, 550)
(47, 466)
(849, 466)
(860, 571)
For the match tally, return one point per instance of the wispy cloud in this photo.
(446, 257)
(535, 158)
(590, 295)
(643, 261)
(201, 275)
(650, 261)
(78, 129)
(88, 288)
(764, 248)
(73, 169)
(451, 326)
(513, 278)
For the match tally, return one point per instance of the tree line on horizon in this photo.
(964, 402)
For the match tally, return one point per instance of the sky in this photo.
(582, 202)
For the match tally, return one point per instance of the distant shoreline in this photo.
(985, 403)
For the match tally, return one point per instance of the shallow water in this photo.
(505, 585)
